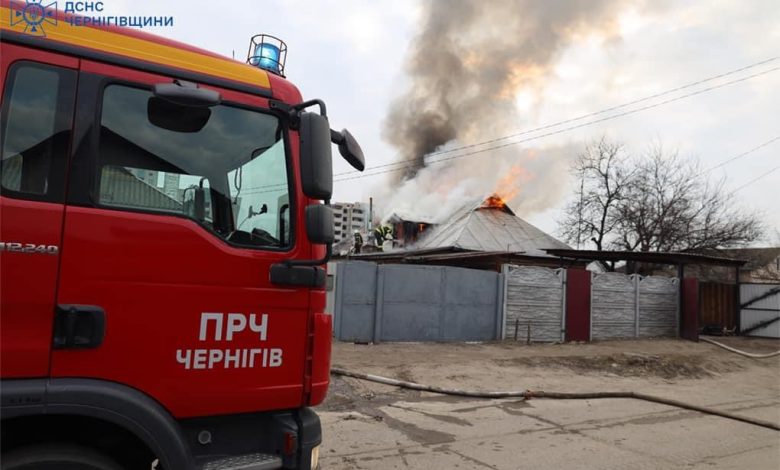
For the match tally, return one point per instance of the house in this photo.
(482, 234)
(763, 264)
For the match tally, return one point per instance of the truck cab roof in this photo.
(82, 36)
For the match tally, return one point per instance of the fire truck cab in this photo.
(162, 242)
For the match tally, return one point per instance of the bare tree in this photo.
(600, 170)
(657, 201)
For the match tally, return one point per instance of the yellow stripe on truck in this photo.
(141, 49)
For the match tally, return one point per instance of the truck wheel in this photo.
(57, 457)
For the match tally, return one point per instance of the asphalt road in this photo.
(505, 434)
(379, 427)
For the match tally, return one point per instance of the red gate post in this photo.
(577, 305)
(689, 317)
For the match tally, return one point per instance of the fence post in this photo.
(338, 300)
(379, 298)
(690, 308)
(577, 294)
(737, 303)
(500, 311)
(504, 283)
(678, 330)
(564, 300)
(442, 302)
(636, 305)
(590, 307)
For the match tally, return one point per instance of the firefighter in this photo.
(358, 242)
(382, 234)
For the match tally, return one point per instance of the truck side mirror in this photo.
(349, 148)
(195, 207)
(316, 156)
(319, 224)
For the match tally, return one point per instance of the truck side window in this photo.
(231, 175)
(138, 188)
(36, 122)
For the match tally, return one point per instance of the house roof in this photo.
(756, 257)
(400, 216)
(480, 226)
(490, 260)
(647, 257)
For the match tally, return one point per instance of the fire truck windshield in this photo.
(230, 174)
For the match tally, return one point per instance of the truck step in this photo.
(246, 462)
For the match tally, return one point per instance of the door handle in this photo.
(79, 326)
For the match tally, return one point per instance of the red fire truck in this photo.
(162, 242)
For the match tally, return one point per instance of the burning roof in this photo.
(489, 225)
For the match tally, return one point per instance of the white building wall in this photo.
(348, 217)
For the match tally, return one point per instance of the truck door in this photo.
(37, 108)
(173, 220)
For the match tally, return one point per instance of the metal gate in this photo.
(760, 310)
(392, 302)
(717, 305)
(534, 303)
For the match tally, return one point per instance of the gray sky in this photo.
(352, 54)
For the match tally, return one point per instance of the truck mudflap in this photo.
(320, 380)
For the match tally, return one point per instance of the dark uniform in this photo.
(358, 242)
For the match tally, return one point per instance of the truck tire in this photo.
(57, 456)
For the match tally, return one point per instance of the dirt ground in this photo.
(369, 425)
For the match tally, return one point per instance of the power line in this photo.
(566, 129)
(763, 175)
(409, 163)
(584, 116)
(743, 154)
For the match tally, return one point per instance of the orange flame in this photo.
(508, 187)
(494, 202)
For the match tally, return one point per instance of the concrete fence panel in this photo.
(659, 306)
(613, 306)
(631, 306)
(535, 302)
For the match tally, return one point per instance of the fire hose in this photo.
(735, 350)
(529, 394)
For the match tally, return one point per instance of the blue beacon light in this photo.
(267, 57)
(268, 53)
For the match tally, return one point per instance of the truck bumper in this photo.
(294, 436)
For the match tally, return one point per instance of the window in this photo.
(229, 175)
(137, 188)
(36, 122)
